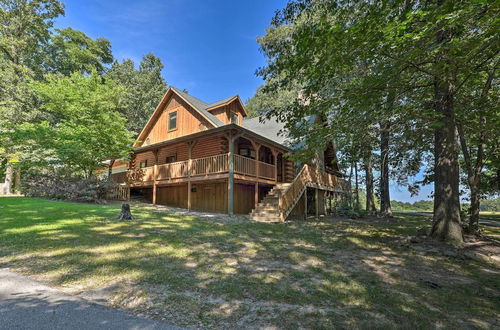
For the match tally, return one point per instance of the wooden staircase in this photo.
(268, 209)
(281, 200)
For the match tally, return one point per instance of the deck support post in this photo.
(316, 202)
(275, 156)
(191, 145)
(256, 147)
(189, 195)
(305, 204)
(256, 198)
(155, 175)
(230, 181)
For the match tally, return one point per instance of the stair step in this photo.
(266, 219)
(263, 214)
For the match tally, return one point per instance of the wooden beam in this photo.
(256, 194)
(230, 181)
(191, 145)
(256, 147)
(155, 175)
(305, 204)
(275, 156)
(316, 202)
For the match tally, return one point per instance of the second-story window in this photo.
(234, 118)
(172, 120)
(144, 163)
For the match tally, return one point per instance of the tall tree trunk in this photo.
(357, 184)
(475, 203)
(370, 200)
(9, 176)
(446, 224)
(350, 185)
(474, 171)
(473, 177)
(385, 197)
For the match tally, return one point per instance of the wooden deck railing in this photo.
(245, 165)
(172, 170)
(308, 176)
(209, 165)
(267, 171)
(203, 166)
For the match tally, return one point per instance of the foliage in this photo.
(72, 51)
(24, 32)
(361, 64)
(422, 205)
(143, 88)
(492, 205)
(82, 126)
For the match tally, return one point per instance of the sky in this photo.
(208, 47)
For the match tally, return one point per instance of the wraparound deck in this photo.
(206, 168)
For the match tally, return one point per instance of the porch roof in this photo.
(213, 131)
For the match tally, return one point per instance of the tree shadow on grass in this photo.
(207, 273)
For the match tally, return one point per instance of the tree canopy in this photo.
(403, 65)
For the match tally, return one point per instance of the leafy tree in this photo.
(261, 103)
(346, 54)
(24, 31)
(143, 88)
(71, 51)
(84, 127)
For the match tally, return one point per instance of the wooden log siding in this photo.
(244, 165)
(210, 146)
(189, 121)
(148, 156)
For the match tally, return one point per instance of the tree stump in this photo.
(125, 214)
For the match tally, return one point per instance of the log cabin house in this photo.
(209, 157)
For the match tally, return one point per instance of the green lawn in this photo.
(210, 273)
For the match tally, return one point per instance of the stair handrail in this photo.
(302, 178)
(289, 190)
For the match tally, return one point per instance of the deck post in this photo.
(155, 174)
(256, 147)
(189, 195)
(275, 156)
(230, 181)
(191, 144)
(316, 202)
(305, 204)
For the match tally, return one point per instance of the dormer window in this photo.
(234, 118)
(172, 121)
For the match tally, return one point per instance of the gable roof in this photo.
(199, 105)
(196, 104)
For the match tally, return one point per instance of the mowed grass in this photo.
(218, 274)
